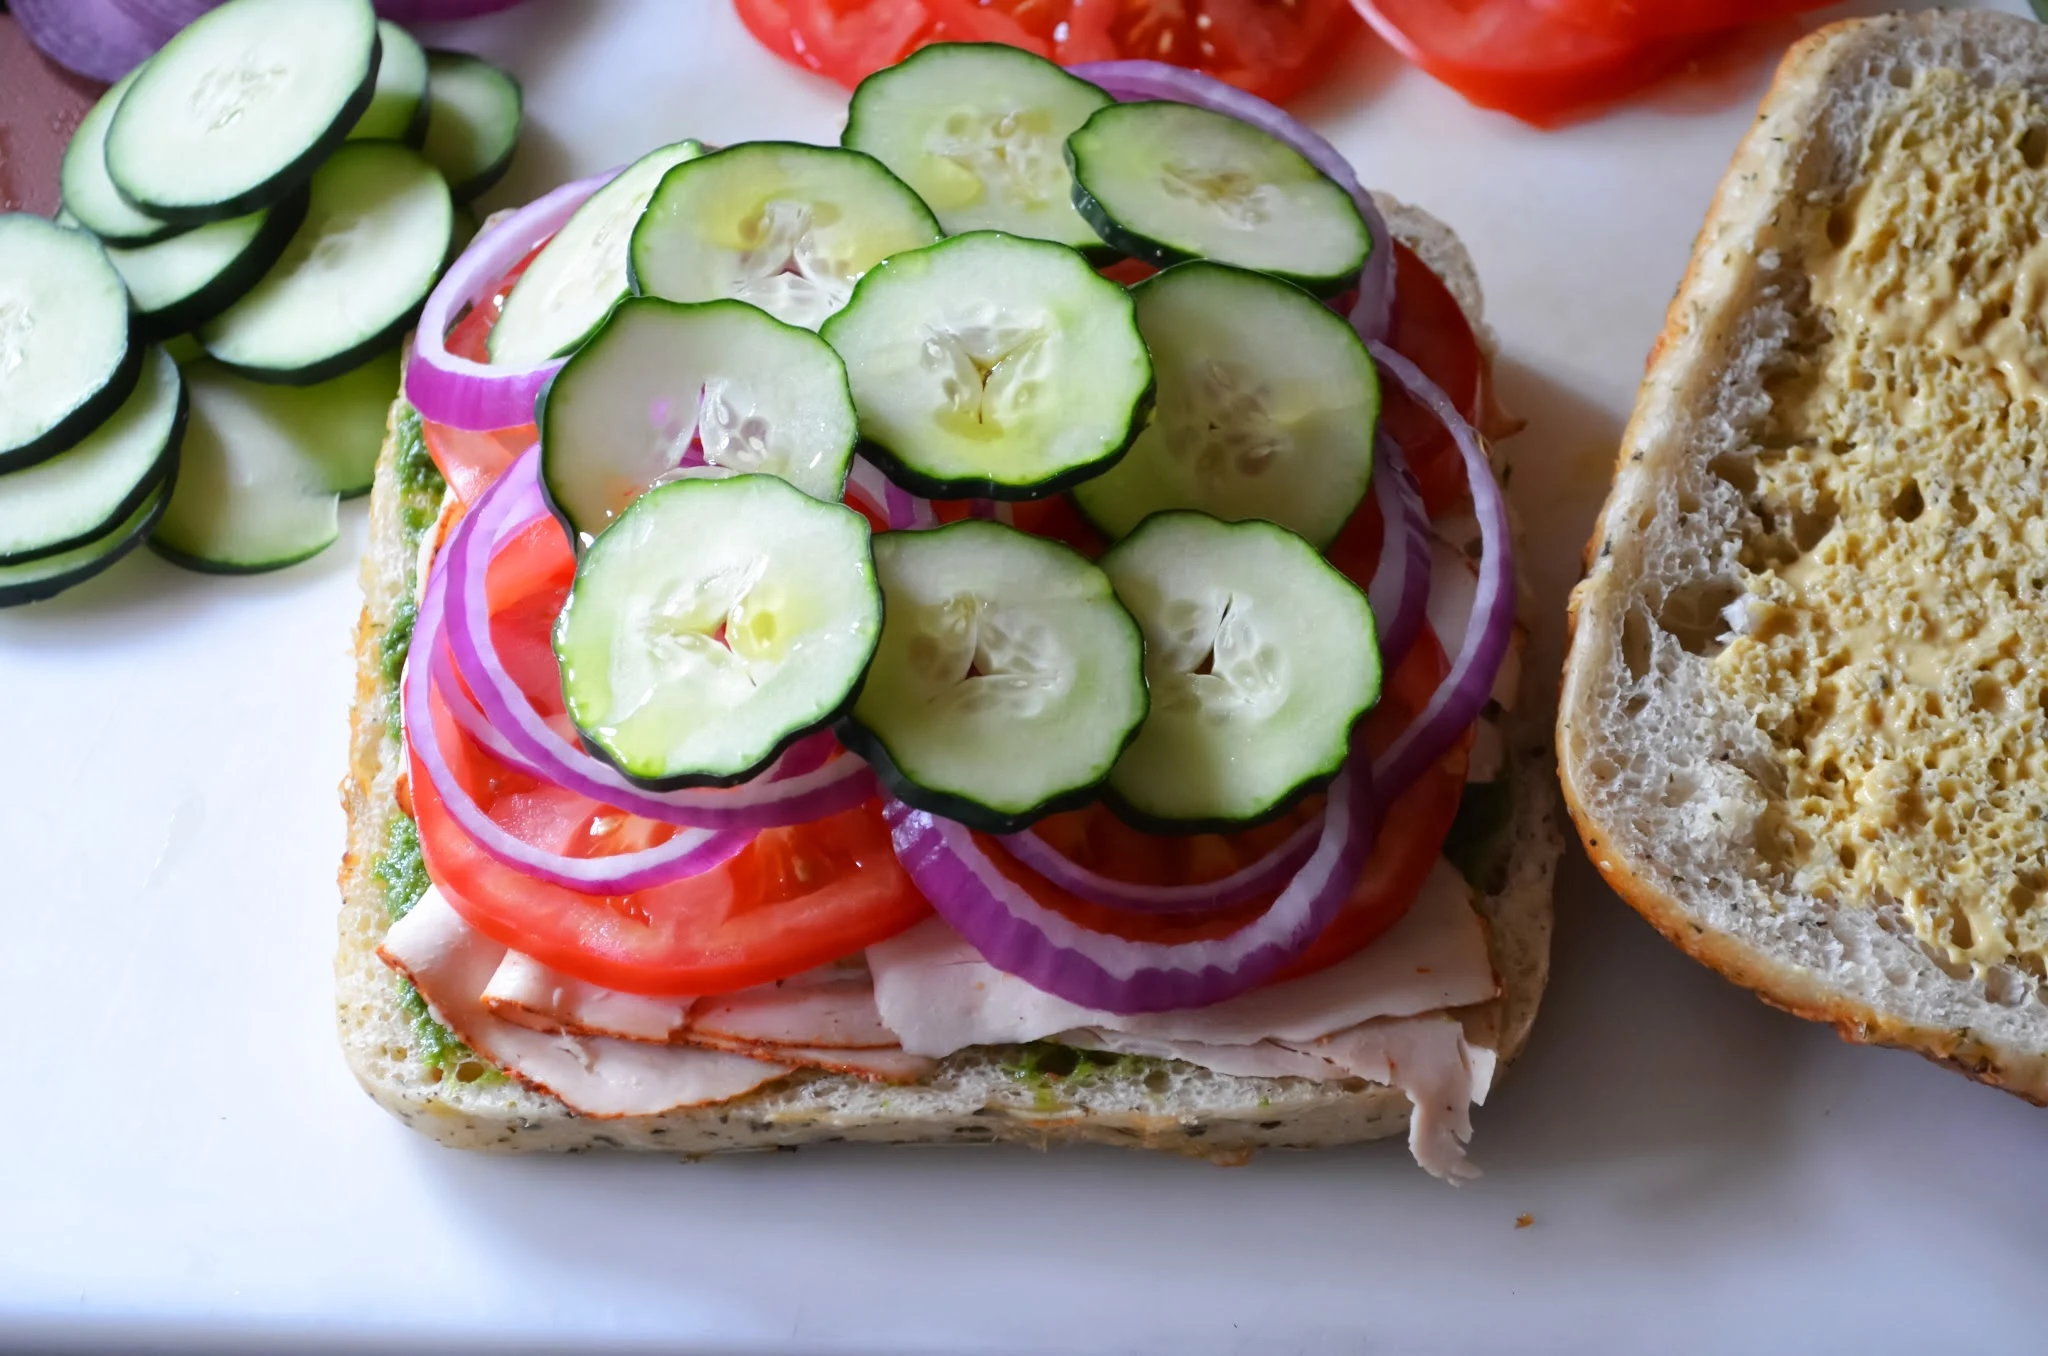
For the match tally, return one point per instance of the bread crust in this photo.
(973, 1097)
(1754, 185)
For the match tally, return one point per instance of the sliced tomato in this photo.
(1055, 518)
(1429, 329)
(1640, 19)
(848, 40)
(793, 899)
(1272, 49)
(1410, 839)
(768, 21)
(1514, 56)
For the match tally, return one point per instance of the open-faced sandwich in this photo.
(1001, 629)
(1805, 719)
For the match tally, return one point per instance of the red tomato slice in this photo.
(768, 21)
(1409, 841)
(794, 899)
(1274, 50)
(1664, 18)
(1429, 329)
(1513, 56)
(849, 39)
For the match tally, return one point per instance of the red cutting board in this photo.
(40, 104)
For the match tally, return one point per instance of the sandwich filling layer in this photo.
(1891, 638)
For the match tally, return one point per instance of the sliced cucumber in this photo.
(785, 227)
(67, 356)
(714, 624)
(251, 495)
(574, 282)
(1260, 657)
(179, 284)
(240, 107)
(353, 277)
(1008, 680)
(85, 491)
(473, 111)
(993, 365)
(398, 101)
(89, 194)
(663, 377)
(1165, 182)
(979, 130)
(1267, 406)
(49, 576)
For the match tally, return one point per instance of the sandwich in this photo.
(1003, 629)
(1801, 728)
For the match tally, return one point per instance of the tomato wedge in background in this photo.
(1665, 18)
(768, 21)
(1520, 59)
(1274, 48)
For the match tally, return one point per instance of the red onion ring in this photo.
(1268, 873)
(98, 38)
(1128, 80)
(690, 853)
(472, 395)
(1400, 582)
(1017, 934)
(1462, 695)
(763, 803)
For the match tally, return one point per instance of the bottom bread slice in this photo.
(975, 1096)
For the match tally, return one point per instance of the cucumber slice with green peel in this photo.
(979, 130)
(1008, 681)
(664, 379)
(1164, 182)
(991, 365)
(251, 494)
(576, 279)
(353, 277)
(717, 622)
(336, 426)
(785, 227)
(87, 490)
(35, 580)
(398, 101)
(241, 106)
(179, 284)
(67, 352)
(1260, 657)
(1266, 409)
(89, 194)
(473, 112)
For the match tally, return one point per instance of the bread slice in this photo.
(1804, 721)
(974, 1096)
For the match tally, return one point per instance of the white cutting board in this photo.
(186, 1160)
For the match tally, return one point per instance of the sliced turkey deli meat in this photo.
(524, 991)
(821, 1019)
(938, 995)
(1430, 1059)
(451, 963)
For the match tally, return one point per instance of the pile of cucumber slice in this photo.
(268, 200)
(1216, 422)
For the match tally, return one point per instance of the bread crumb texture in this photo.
(1892, 639)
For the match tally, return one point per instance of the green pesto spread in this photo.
(1046, 1066)
(1482, 836)
(399, 868)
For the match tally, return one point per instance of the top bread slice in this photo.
(973, 1096)
(1804, 724)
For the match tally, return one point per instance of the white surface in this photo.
(186, 1158)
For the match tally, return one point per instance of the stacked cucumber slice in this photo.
(1215, 421)
(253, 198)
